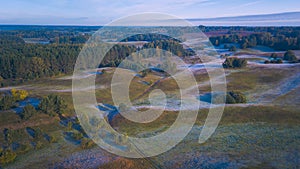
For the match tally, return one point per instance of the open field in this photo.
(260, 132)
(241, 127)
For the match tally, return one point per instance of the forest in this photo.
(21, 61)
(277, 38)
(38, 115)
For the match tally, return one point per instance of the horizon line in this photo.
(188, 19)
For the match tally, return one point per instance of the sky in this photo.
(101, 12)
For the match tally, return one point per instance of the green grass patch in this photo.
(291, 98)
(231, 115)
(8, 117)
(268, 114)
(125, 126)
(241, 81)
(251, 78)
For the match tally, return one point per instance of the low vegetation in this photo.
(232, 49)
(19, 94)
(25, 131)
(290, 56)
(234, 62)
(7, 156)
(87, 143)
(235, 97)
(274, 61)
(52, 105)
(7, 102)
(28, 112)
(20, 141)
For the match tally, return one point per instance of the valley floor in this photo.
(264, 133)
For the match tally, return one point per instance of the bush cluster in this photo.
(234, 62)
(234, 97)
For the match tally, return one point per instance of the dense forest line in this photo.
(234, 29)
(278, 38)
(28, 61)
(25, 61)
(148, 37)
(21, 61)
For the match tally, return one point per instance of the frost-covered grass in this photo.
(238, 146)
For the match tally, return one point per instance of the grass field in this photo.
(252, 135)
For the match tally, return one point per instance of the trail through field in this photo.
(280, 89)
(3, 89)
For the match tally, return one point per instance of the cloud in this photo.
(120, 8)
(45, 19)
(103, 11)
(246, 4)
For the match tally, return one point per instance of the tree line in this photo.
(21, 61)
(275, 40)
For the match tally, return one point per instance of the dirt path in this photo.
(15, 87)
(24, 124)
(149, 88)
(280, 89)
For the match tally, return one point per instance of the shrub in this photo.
(70, 126)
(290, 56)
(232, 49)
(8, 136)
(230, 99)
(23, 148)
(38, 134)
(19, 94)
(52, 105)
(87, 143)
(234, 62)
(144, 73)
(7, 156)
(28, 112)
(234, 97)
(52, 139)
(7, 102)
(276, 61)
(77, 135)
(38, 145)
(279, 61)
(274, 55)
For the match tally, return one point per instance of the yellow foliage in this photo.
(19, 94)
(14, 92)
(23, 94)
(7, 156)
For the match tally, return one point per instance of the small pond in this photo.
(33, 101)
